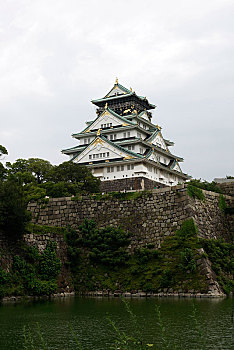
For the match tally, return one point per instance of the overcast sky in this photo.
(55, 56)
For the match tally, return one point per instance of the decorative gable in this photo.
(107, 119)
(154, 157)
(101, 149)
(175, 166)
(157, 140)
(115, 91)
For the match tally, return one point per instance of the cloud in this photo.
(58, 55)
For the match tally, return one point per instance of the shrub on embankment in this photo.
(32, 272)
(101, 264)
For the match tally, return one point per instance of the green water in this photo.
(88, 317)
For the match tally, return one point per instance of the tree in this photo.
(39, 168)
(13, 209)
(3, 151)
(73, 173)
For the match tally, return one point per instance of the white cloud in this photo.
(57, 55)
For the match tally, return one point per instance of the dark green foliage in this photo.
(43, 229)
(13, 213)
(32, 273)
(195, 192)
(73, 173)
(121, 195)
(221, 254)
(149, 270)
(222, 203)
(188, 263)
(73, 252)
(39, 178)
(106, 245)
(3, 151)
(49, 265)
(204, 185)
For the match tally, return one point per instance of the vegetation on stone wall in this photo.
(205, 185)
(221, 255)
(195, 192)
(32, 272)
(173, 266)
(222, 203)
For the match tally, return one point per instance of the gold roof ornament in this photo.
(116, 81)
(106, 105)
(130, 89)
(99, 132)
(158, 127)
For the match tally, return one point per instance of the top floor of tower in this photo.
(123, 101)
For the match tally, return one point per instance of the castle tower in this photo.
(123, 147)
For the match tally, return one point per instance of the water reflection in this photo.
(88, 317)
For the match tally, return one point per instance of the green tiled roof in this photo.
(122, 149)
(111, 112)
(126, 94)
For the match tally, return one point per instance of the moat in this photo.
(89, 320)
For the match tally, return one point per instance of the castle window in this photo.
(115, 136)
(104, 125)
(101, 126)
(128, 133)
(94, 156)
(110, 125)
(107, 154)
(103, 154)
(122, 167)
(118, 168)
(85, 141)
(112, 169)
(111, 137)
(128, 166)
(108, 170)
(132, 166)
(124, 135)
(90, 156)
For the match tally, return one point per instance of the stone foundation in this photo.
(148, 218)
(128, 184)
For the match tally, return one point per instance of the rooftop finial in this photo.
(99, 132)
(116, 81)
(130, 89)
(106, 105)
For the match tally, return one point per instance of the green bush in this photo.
(187, 261)
(106, 245)
(49, 264)
(73, 252)
(205, 185)
(221, 256)
(195, 192)
(32, 272)
(222, 203)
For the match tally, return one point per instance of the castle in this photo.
(123, 147)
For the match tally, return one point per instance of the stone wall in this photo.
(41, 240)
(227, 187)
(148, 219)
(138, 183)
